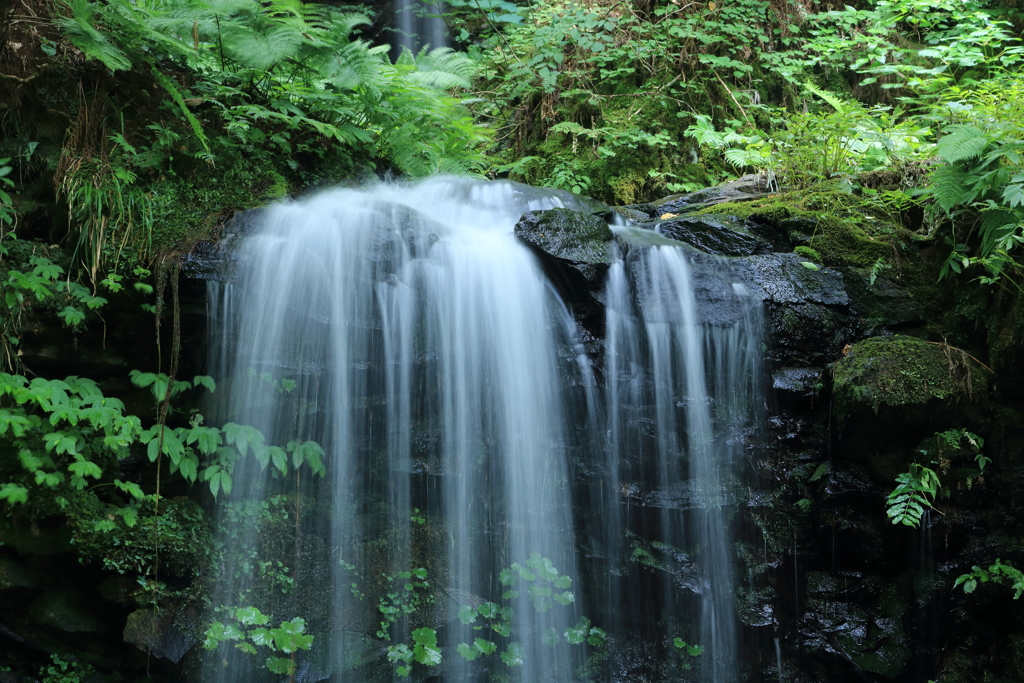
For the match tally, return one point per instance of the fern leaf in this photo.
(703, 131)
(354, 66)
(168, 85)
(830, 98)
(80, 29)
(742, 157)
(961, 143)
(444, 68)
(259, 50)
(949, 186)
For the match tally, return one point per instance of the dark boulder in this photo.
(575, 250)
(806, 308)
(155, 632)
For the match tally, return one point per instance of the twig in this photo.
(742, 111)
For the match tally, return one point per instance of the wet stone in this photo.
(632, 214)
(155, 633)
(715, 234)
(797, 380)
(568, 235)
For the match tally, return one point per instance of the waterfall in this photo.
(405, 329)
(681, 393)
(425, 348)
(418, 24)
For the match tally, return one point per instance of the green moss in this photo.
(895, 371)
(808, 253)
(193, 206)
(628, 186)
(846, 229)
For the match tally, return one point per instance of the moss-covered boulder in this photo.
(845, 229)
(896, 371)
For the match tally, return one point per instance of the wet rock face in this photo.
(154, 632)
(718, 235)
(574, 237)
(575, 251)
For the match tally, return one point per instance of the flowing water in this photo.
(418, 24)
(440, 371)
(426, 348)
(682, 395)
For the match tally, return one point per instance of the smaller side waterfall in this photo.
(680, 394)
(418, 24)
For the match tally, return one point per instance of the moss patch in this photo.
(845, 229)
(895, 371)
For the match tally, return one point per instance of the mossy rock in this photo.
(896, 371)
(844, 229)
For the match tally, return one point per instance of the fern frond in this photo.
(703, 131)
(961, 143)
(172, 90)
(444, 68)
(742, 157)
(81, 31)
(354, 66)
(830, 98)
(260, 50)
(949, 186)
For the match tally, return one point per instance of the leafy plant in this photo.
(65, 431)
(6, 206)
(917, 488)
(996, 573)
(61, 671)
(686, 651)
(249, 632)
(41, 286)
(983, 175)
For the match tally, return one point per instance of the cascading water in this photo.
(418, 24)
(440, 372)
(423, 341)
(681, 394)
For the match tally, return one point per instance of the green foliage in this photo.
(284, 82)
(248, 631)
(41, 287)
(407, 592)
(916, 490)
(686, 651)
(980, 185)
(997, 573)
(810, 148)
(61, 671)
(60, 445)
(7, 213)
